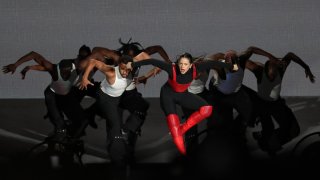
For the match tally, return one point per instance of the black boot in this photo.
(130, 139)
(59, 135)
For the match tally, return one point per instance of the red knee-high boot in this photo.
(196, 117)
(174, 127)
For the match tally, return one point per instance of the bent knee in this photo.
(206, 110)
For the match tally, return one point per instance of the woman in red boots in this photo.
(175, 92)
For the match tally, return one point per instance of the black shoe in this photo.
(59, 135)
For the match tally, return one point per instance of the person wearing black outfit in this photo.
(175, 92)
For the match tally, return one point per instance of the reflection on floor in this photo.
(220, 155)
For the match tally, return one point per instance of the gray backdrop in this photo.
(56, 29)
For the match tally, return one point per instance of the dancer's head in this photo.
(84, 52)
(130, 48)
(82, 60)
(184, 62)
(65, 68)
(231, 57)
(271, 69)
(123, 61)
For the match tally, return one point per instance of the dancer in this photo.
(198, 87)
(226, 92)
(108, 98)
(131, 99)
(269, 104)
(57, 94)
(175, 92)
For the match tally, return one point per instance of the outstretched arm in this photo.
(205, 65)
(108, 71)
(142, 56)
(254, 50)
(158, 49)
(155, 62)
(33, 67)
(213, 62)
(32, 55)
(293, 57)
(152, 50)
(256, 68)
(216, 56)
(101, 52)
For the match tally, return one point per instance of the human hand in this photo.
(24, 71)
(84, 83)
(156, 71)
(310, 75)
(9, 68)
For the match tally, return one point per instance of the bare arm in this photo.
(152, 50)
(216, 56)
(108, 71)
(256, 68)
(158, 49)
(253, 66)
(33, 67)
(105, 53)
(32, 55)
(254, 50)
(293, 57)
(142, 56)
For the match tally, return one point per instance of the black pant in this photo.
(54, 112)
(133, 101)
(223, 110)
(68, 104)
(108, 106)
(169, 98)
(71, 107)
(288, 125)
(282, 114)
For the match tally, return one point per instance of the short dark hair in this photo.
(125, 59)
(84, 52)
(65, 64)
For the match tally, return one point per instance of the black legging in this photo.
(169, 98)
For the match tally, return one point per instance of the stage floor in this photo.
(22, 126)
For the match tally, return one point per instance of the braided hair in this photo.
(130, 48)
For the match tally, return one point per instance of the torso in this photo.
(62, 87)
(132, 85)
(118, 87)
(198, 85)
(269, 90)
(232, 83)
(180, 82)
